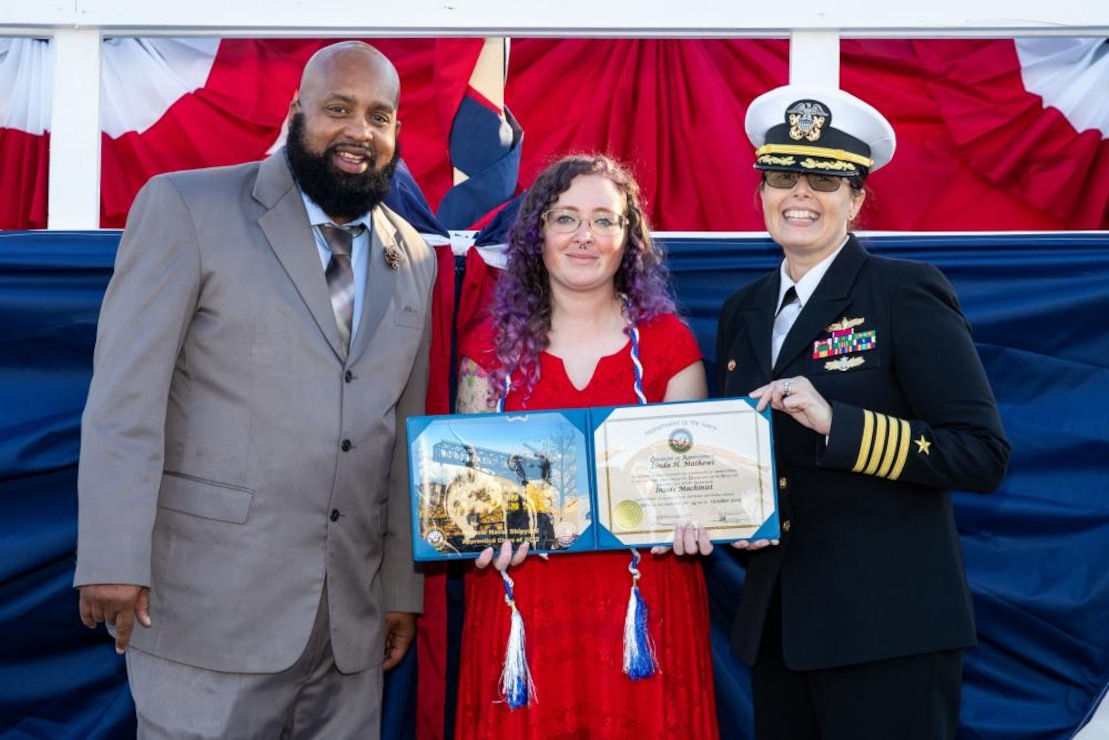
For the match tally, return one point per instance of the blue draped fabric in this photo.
(1035, 550)
(496, 231)
(487, 149)
(406, 198)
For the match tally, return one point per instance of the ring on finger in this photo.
(786, 389)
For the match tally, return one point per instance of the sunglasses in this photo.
(785, 180)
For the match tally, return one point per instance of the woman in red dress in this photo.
(584, 316)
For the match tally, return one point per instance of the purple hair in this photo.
(521, 307)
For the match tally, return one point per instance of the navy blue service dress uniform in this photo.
(869, 568)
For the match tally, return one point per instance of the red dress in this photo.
(573, 605)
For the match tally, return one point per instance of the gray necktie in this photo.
(787, 314)
(340, 276)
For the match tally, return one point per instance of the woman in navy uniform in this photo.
(855, 623)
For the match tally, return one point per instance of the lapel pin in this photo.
(393, 257)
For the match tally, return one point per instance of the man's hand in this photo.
(117, 605)
(400, 631)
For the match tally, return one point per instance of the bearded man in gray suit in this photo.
(243, 480)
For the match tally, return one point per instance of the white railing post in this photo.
(74, 192)
(814, 58)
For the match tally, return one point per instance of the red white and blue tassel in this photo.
(639, 651)
(507, 389)
(517, 689)
(637, 366)
(516, 686)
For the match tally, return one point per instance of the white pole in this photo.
(814, 58)
(74, 192)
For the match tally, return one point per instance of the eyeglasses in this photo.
(567, 222)
(786, 180)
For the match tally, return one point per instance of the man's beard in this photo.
(341, 195)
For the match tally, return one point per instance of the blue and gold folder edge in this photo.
(579, 480)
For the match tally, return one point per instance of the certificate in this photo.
(708, 463)
(576, 480)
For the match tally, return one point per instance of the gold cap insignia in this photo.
(806, 119)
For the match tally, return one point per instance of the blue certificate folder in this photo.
(577, 480)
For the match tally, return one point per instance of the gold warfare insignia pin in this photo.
(922, 445)
(731, 365)
(844, 324)
(843, 364)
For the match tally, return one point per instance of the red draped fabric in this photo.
(431, 638)
(234, 118)
(672, 109)
(24, 163)
(952, 103)
(1016, 145)
(477, 288)
(238, 114)
(977, 151)
(442, 323)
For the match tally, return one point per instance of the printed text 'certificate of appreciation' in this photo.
(705, 462)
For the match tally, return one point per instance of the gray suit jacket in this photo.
(231, 460)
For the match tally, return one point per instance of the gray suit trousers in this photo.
(311, 699)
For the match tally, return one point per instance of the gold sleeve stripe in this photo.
(902, 450)
(891, 447)
(864, 444)
(884, 447)
(879, 444)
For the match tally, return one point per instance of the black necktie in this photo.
(787, 314)
(340, 276)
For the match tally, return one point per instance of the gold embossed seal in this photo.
(627, 514)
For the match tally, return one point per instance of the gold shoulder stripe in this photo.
(902, 450)
(864, 443)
